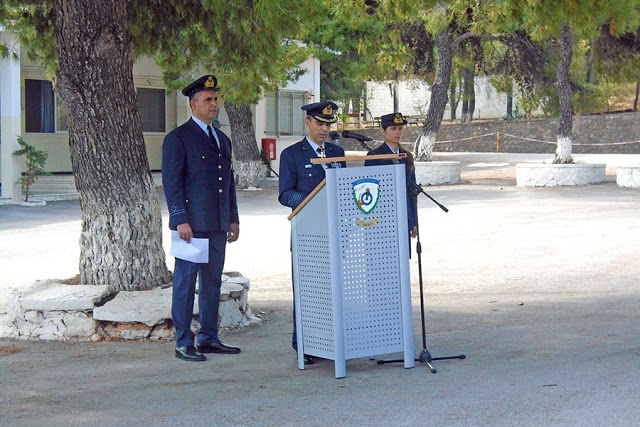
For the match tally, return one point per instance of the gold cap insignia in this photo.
(328, 110)
(210, 82)
(398, 119)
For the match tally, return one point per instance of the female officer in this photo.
(392, 129)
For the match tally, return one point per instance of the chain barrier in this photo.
(498, 134)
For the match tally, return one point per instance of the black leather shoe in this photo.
(190, 354)
(309, 360)
(217, 347)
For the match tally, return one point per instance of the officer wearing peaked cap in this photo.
(198, 183)
(298, 176)
(392, 130)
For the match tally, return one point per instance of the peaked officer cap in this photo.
(208, 82)
(393, 119)
(322, 111)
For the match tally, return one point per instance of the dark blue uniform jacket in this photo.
(412, 202)
(198, 179)
(298, 176)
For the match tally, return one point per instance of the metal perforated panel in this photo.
(315, 293)
(351, 270)
(370, 270)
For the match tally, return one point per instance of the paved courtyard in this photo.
(539, 287)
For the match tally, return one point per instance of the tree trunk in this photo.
(563, 86)
(635, 100)
(469, 103)
(589, 56)
(248, 168)
(394, 92)
(453, 100)
(465, 108)
(438, 102)
(365, 103)
(121, 241)
(509, 106)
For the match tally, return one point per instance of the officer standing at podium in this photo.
(392, 130)
(197, 177)
(298, 176)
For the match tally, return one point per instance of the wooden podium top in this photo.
(335, 160)
(358, 158)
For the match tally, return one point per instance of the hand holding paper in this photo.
(197, 250)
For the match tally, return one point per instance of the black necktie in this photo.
(212, 138)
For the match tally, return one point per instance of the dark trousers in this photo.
(184, 286)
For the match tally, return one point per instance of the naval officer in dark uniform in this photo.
(197, 177)
(392, 129)
(298, 176)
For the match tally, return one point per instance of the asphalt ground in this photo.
(538, 287)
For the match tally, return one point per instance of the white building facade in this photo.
(414, 95)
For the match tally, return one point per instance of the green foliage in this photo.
(246, 44)
(617, 57)
(33, 22)
(516, 115)
(340, 38)
(35, 160)
(344, 118)
(602, 97)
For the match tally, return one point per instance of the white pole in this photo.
(10, 120)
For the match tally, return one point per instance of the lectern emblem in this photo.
(366, 193)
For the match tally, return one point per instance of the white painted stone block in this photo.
(230, 314)
(55, 296)
(51, 310)
(555, 175)
(134, 332)
(436, 173)
(10, 310)
(149, 307)
(78, 324)
(628, 176)
(234, 290)
(240, 281)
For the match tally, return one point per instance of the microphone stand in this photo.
(425, 356)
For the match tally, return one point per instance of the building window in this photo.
(284, 116)
(39, 115)
(42, 111)
(152, 106)
(44, 114)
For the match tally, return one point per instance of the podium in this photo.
(351, 279)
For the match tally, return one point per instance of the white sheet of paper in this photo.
(197, 250)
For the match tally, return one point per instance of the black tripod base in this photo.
(424, 358)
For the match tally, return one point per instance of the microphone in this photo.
(335, 137)
(356, 136)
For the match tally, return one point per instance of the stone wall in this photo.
(51, 310)
(595, 129)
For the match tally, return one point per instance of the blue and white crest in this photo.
(366, 193)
